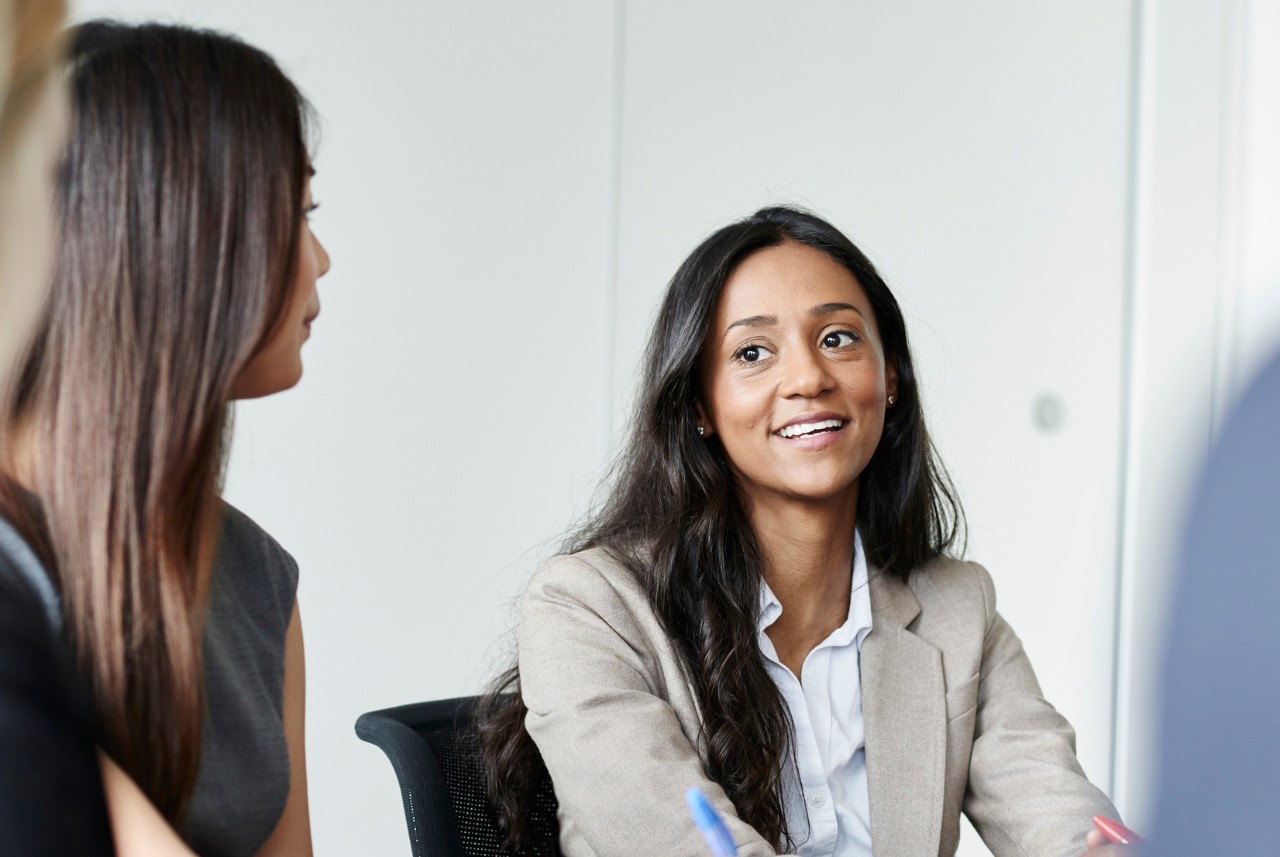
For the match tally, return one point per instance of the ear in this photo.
(703, 422)
(891, 376)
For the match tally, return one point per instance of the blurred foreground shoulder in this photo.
(51, 797)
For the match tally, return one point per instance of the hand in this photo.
(1096, 845)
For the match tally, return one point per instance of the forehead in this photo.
(787, 282)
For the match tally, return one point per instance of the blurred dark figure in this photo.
(1219, 787)
(51, 795)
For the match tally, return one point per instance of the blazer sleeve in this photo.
(1027, 795)
(599, 713)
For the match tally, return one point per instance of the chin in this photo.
(825, 483)
(290, 381)
(819, 491)
(268, 385)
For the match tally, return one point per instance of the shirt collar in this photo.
(856, 625)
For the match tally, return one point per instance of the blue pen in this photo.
(710, 824)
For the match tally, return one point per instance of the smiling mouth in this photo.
(810, 429)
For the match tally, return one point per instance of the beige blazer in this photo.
(954, 721)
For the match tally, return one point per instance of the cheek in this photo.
(739, 408)
(304, 281)
(867, 383)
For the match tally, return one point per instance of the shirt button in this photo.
(818, 801)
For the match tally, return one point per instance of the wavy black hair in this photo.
(674, 518)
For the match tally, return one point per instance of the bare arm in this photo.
(292, 836)
(137, 826)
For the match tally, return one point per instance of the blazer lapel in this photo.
(905, 721)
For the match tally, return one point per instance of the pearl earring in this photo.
(892, 401)
(701, 431)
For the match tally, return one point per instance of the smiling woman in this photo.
(765, 606)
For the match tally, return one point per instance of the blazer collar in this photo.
(905, 722)
(891, 598)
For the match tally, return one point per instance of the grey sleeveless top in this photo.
(243, 782)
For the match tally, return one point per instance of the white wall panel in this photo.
(1175, 352)
(1251, 221)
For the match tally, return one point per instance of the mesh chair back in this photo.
(434, 750)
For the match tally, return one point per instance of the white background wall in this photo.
(1072, 201)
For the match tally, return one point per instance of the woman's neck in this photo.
(808, 553)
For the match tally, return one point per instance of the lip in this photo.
(813, 441)
(306, 322)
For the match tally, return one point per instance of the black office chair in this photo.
(434, 750)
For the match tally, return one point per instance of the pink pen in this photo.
(1116, 832)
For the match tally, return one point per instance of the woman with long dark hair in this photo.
(184, 278)
(765, 607)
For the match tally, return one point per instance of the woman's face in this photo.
(794, 377)
(278, 363)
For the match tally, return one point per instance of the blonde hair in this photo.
(32, 119)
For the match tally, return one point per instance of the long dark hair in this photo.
(180, 205)
(674, 519)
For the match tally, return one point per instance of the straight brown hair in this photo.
(180, 203)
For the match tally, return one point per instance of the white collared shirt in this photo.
(827, 811)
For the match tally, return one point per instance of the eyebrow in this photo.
(769, 320)
(754, 321)
(829, 309)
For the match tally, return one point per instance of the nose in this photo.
(322, 257)
(805, 373)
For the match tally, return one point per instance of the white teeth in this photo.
(808, 428)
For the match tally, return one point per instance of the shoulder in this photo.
(19, 567)
(954, 589)
(55, 804)
(251, 567)
(241, 542)
(593, 577)
(243, 535)
(592, 597)
(586, 620)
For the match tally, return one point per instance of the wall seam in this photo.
(1233, 132)
(609, 327)
(1131, 376)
